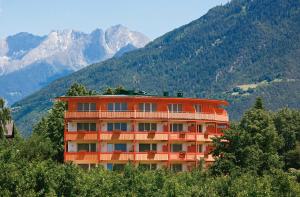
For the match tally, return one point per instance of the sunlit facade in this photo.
(148, 131)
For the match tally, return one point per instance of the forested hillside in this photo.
(258, 156)
(244, 49)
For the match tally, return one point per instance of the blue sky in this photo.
(151, 17)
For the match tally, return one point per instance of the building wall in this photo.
(209, 127)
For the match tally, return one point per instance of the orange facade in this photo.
(153, 132)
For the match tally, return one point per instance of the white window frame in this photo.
(151, 146)
(150, 126)
(176, 125)
(114, 126)
(116, 105)
(90, 147)
(89, 126)
(89, 107)
(198, 108)
(176, 151)
(152, 166)
(144, 106)
(175, 108)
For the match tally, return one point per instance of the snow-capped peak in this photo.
(67, 47)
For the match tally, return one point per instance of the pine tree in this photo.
(251, 145)
(5, 118)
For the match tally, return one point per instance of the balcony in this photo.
(209, 158)
(117, 156)
(86, 136)
(210, 136)
(146, 115)
(108, 136)
(200, 137)
(151, 156)
(95, 157)
(139, 136)
(82, 157)
(186, 156)
(183, 136)
(199, 156)
(155, 136)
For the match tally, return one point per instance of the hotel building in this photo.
(149, 131)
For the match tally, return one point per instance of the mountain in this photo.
(244, 49)
(29, 62)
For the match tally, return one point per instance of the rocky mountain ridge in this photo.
(59, 53)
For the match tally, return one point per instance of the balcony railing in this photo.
(116, 136)
(159, 136)
(146, 115)
(210, 158)
(151, 156)
(81, 136)
(95, 157)
(117, 156)
(82, 157)
(183, 136)
(139, 136)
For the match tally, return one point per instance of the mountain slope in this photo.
(71, 50)
(244, 49)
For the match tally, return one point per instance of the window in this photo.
(221, 126)
(86, 107)
(84, 166)
(176, 127)
(92, 127)
(117, 126)
(92, 147)
(86, 126)
(148, 166)
(200, 148)
(92, 165)
(110, 107)
(147, 126)
(118, 167)
(117, 106)
(86, 147)
(110, 166)
(176, 148)
(110, 148)
(147, 107)
(147, 147)
(116, 147)
(198, 108)
(175, 108)
(121, 147)
(83, 147)
(115, 167)
(176, 167)
(200, 128)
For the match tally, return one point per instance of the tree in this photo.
(116, 91)
(287, 123)
(52, 125)
(5, 118)
(292, 158)
(79, 90)
(108, 91)
(252, 145)
(120, 90)
(259, 103)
